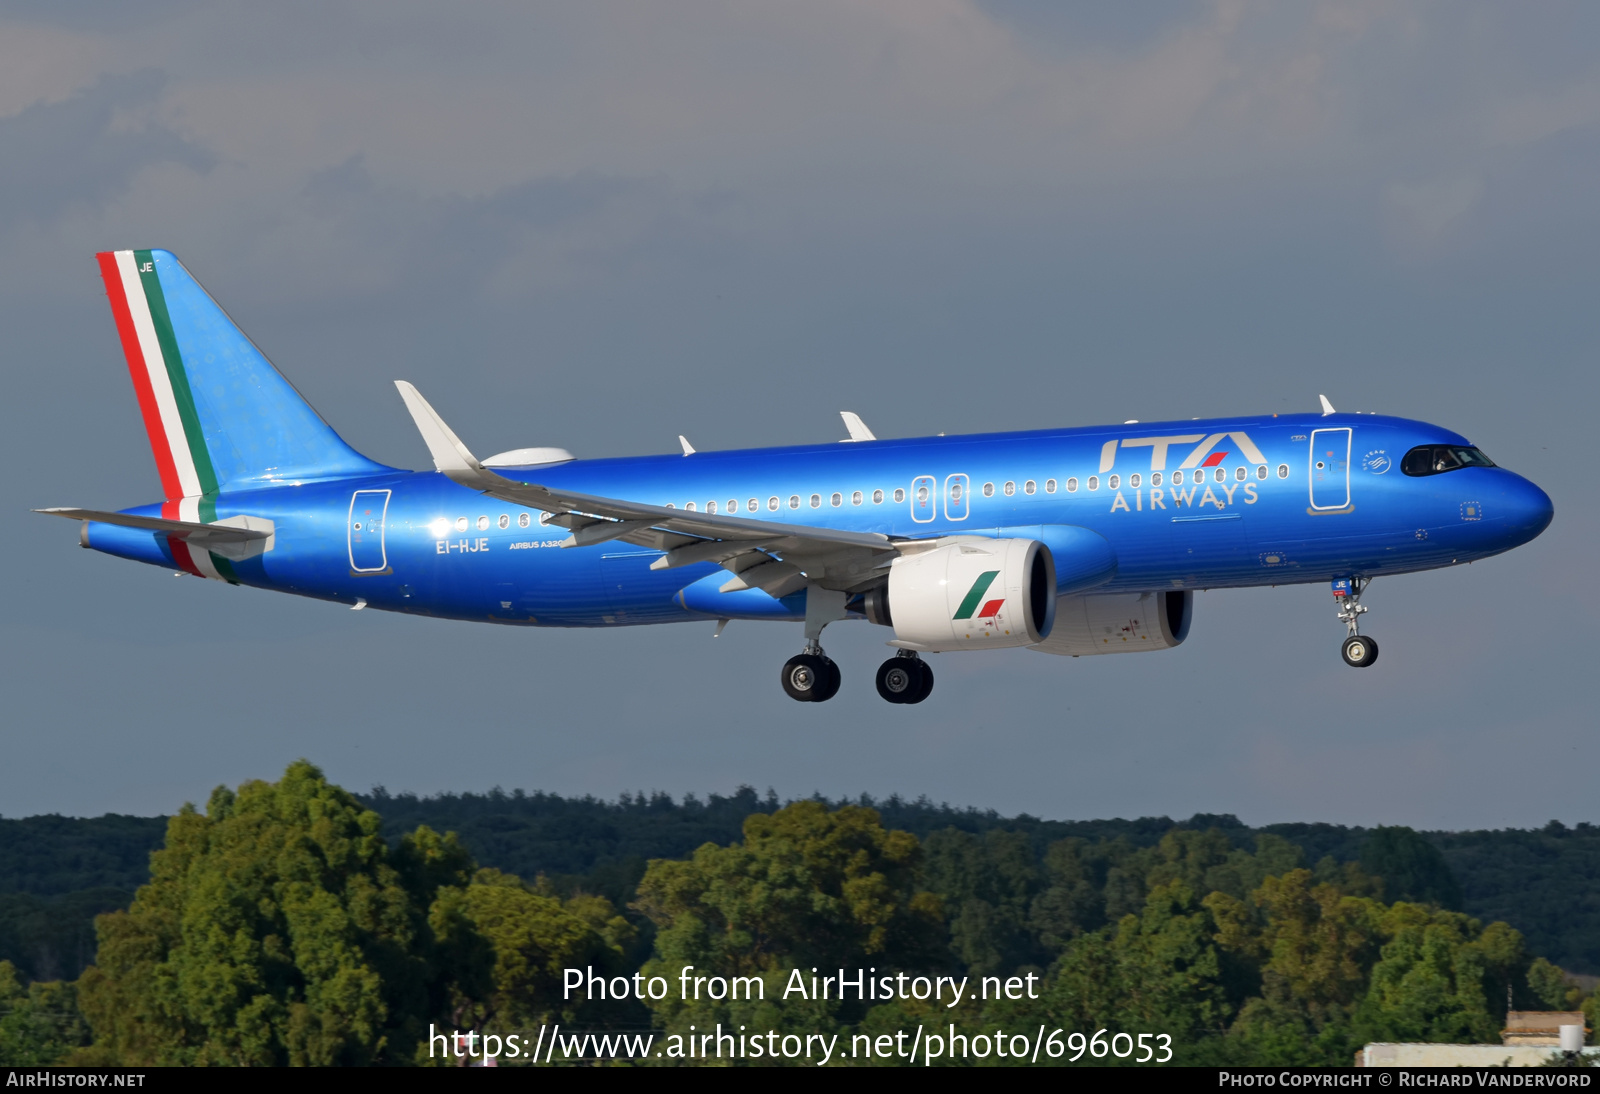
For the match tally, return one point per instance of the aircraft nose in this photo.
(1530, 510)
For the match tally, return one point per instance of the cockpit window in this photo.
(1436, 459)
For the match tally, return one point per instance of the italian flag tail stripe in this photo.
(159, 379)
(193, 560)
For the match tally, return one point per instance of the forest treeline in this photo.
(57, 873)
(288, 923)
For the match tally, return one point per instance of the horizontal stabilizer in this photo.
(232, 537)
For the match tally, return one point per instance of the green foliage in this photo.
(806, 888)
(52, 938)
(39, 1024)
(1546, 883)
(507, 944)
(1412, 868)
(278, 928)
(1441, 977)
(1550, 986)
(52, 855)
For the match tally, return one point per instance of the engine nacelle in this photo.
(967, 592)
(1119, 623)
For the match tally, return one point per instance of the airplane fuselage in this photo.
(1220, 503)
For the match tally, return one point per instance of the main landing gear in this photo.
(812, 677)
(1358, 650)
(905, 678)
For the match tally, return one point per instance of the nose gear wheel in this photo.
(1358, 651)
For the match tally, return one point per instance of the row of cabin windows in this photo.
(1009, 489)
(753, 505)
(504, 521)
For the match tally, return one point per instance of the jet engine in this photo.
(1119, 623)
(969, 592)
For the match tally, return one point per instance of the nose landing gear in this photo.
(1358, 651)
(905, 678)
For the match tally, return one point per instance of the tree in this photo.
(39, 1024)
(806, 888)
(277, 928)
(1441, 977)
(1412, 869)
(1158, 971)
(512, 943)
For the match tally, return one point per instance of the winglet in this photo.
(858, 429)
(449, 454)
(688, 449)
(1327, 407)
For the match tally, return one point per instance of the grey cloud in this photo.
(78, 153)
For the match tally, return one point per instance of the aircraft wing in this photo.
(776, 557)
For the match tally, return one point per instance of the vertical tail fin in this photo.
(218, 414)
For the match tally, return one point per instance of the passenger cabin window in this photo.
(1029, 487)
(1283, 471)
(1094, 482)
(1133, 480)
(794, 501)
(877, 497)
(899, 496)
(816, 501)
(1436, 459)
(772, 504)
(1155, 478)
(988, 489)
(1261, 471)
(836, 500)
(1049, 486)
(523, 520)
(1113, 482)
(711, 507)
(1072, 486)
(1009, 488)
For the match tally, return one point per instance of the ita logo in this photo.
(1377, 461)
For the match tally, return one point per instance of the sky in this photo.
(601, 225)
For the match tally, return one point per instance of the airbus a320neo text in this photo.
(1061, 541)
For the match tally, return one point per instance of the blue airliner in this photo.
(1064, 541)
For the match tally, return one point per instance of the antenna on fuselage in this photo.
(1327, 407)
(688, 449)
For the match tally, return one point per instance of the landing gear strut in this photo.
(905, 678)
(1358, 650)
(811, 676)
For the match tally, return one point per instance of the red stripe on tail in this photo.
(159, 443)
(170, 510)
